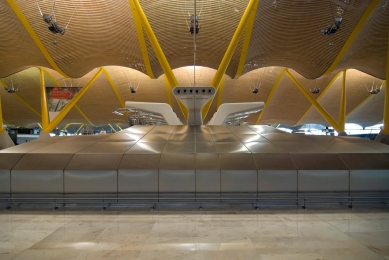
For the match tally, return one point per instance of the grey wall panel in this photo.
(263, 147)
(207, 161)
(179, 147)
(237, 162)
(247, 138)
(5, 182)
(239, 181)
(231, 147)
(177, 181)
(84, 138)
(90, 181)
(206, 147)
(147, 148)
(369, 180)
(300, 146)
(323, 180)
(277, 181)
(123, 137)
(51, 139)
(8, 160)
(216, 129)
(63, 147)
(207, 181)
(326, 161)
(94, 162)
(155, 138)
(365, 161)
(274, 161)
(203, 137)
(25, 148)
(224, 138)
(163, 129)
(241, 130)
(36, 181)
(107, 147)
(140, 162)
(184, 161)
(139, 129)
(276, 137)
(263, 129)
(200, 129)
(137, 181)
(37, 161)
(184, 129)
(183, 138)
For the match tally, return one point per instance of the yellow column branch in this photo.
(319, 108)
(1, 118)
(44, 109)
(115, 90)
(342, 108)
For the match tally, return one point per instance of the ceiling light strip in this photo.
(270, 95)
(319, 108)
(35, 37)
(246, 41)
(114, 88)
(234, 42)
(141, 39)
(352, 36)
(320, 96)
(155, 44)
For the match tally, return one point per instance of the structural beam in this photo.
(22, 100)
(234, 42)
(320, 95)
(1, 118)
(155, 44)
(34, 36)
(168, 90)
(220, 93)
(319, 108)
(342, 108)
(79, 129)
(112, 128)
(270, 95)
(385, 129)
(44, 109)
(49, 127)
(207, 106)
(141, 39)
(83, 115)
(114, 88)
(246, 41)
(352, 36)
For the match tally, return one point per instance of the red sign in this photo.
(57, 93)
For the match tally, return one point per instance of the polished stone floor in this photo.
(187, 233)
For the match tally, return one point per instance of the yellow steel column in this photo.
(207, 106)
(79, 129)
(319, 108)
(234, 42)
(385, 129)
(220, 93)
(1, 118)
(115, 90)
(270, 95)
(342, 108)
(155, 44)
(69, 106)
(168, 90)
(44, 109)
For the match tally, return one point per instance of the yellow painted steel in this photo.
(66, 127)
(352, 36)
(155, 44)
(207, 106)
(385, 129)
(246, 41)
(22, 100)
(342, 108)
(319, 108)
(39, 125)
(365, 100)
(168, 91)
(34, 36)
(69, 106)
(220, 93)
(79, 129)
(320, 95)
(115, 90)
(112, 128)
(1, 118)
(270, 95)
(44, 110)
(83, 114)
(141, 39)
(50, 76)
(118, 126)
(234, 42)
(183, 108)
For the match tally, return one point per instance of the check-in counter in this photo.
(7, 161)
(321, 174)
(37, 174)
(369, 173)
(138, 175)
(207, 175)
(277, 174)
(177, 175)
(238, 175)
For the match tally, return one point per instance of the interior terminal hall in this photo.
(194, 129)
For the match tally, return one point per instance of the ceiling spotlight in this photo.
(255, 90)
(11, 89)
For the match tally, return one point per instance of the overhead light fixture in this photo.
(194, 24)
(332, 28)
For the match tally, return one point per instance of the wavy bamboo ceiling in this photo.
(285, 34)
